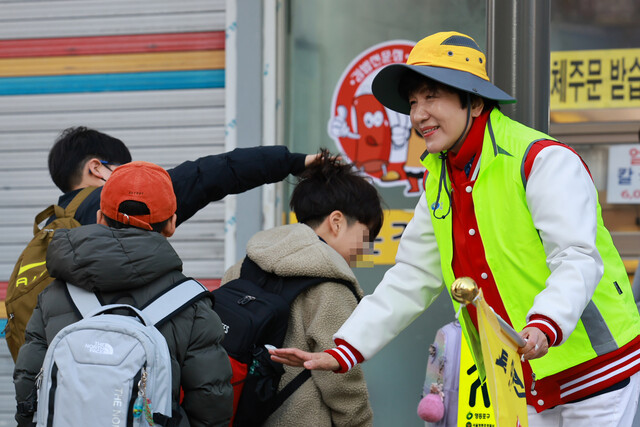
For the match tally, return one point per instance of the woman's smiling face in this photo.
(438, 115)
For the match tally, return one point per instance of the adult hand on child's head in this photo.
(313, 158)
(294, 357)
(536, 346)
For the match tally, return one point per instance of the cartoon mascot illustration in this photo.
(378, 141)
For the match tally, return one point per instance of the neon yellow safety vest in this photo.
(515, 254)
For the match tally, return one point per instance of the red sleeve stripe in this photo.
(345, 365)
(346, 355)
(349, 354)
(356, 356)
(547, 326)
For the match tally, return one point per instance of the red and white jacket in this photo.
(554, 172)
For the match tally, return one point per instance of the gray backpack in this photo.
(111, 369)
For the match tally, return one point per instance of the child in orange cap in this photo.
(139, 183)
(126, 258)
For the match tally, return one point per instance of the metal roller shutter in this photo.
(149, 72)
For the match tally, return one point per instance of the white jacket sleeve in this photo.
(405, 291)
(563, 203)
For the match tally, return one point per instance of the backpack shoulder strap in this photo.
(71, 208)
(252, 272)
(49, 211)
(84, 300)
(174, 300)
(287, 287)
(159, 309)
(288, 390)
(60, 212)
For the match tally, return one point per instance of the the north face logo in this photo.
(99, 348)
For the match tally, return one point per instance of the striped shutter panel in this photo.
(149, 72)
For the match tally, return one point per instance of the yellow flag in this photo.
(474, 404)
(503, 369)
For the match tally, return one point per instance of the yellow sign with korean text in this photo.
(474, 404)
(503, 369)
(386, 244)
(588, 79)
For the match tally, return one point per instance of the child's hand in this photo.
(294, 357)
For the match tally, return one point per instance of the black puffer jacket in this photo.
(208, 179)
(132, 266)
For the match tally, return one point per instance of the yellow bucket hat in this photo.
(450, 58)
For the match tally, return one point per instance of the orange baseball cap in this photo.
(142, 182)
(450, 58)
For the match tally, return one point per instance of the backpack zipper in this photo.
(38, 379)
(246, 299)
(6, 327)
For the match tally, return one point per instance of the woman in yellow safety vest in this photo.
(518, 212)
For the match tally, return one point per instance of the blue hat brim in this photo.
(385, 85)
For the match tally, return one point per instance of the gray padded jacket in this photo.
(132, 266)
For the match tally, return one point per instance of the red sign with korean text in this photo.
(377, 140)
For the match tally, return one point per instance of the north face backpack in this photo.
(254, 310)
(30, 275)
(112, 369)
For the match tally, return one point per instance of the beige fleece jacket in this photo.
(327, 399)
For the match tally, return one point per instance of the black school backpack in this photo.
(254, 310)
(30, 275)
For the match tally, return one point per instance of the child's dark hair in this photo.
(134, 207)
(412, 81)
(75, 146)
(328, 185)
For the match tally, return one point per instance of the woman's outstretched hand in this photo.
(294, 357)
